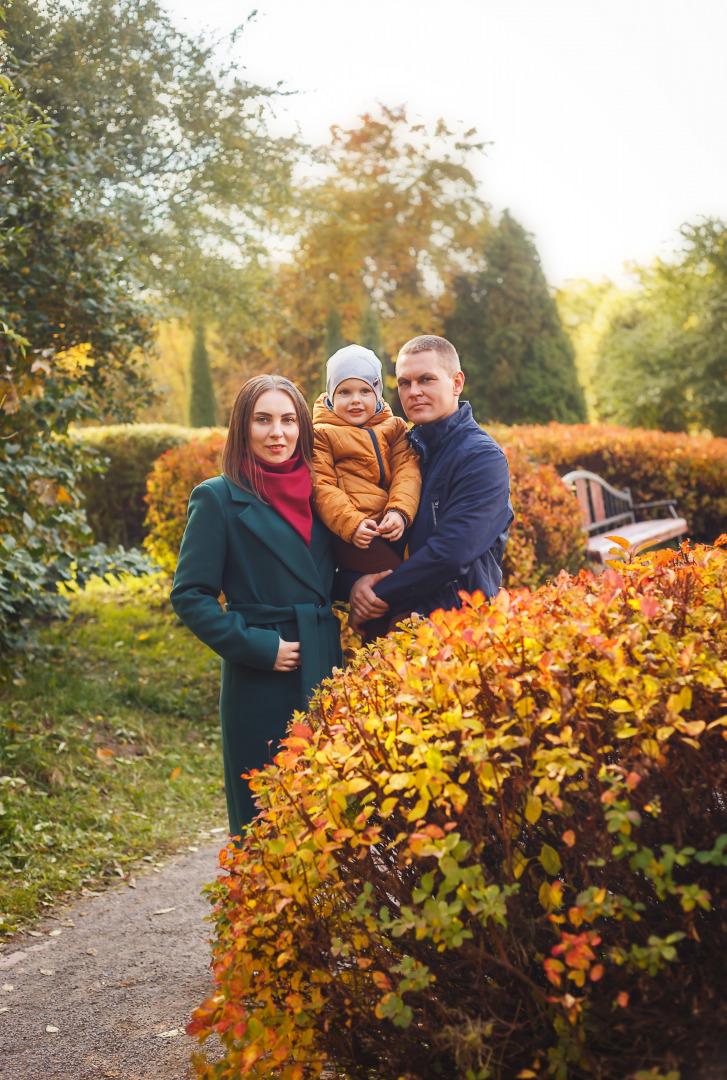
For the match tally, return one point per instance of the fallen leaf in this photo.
(67, 922)
(169, 1034)
(55, 933)
(190, 848)
(163, 910)
(222, 829)
(176, 771)
(132, 883)
(35, 933)
(8, 987)
(5, 1008)
(92, 952)
(46, 971)
(103, 754)
(52, 1030)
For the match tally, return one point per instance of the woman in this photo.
(251, 536)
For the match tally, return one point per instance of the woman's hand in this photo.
(288, 656)
(365, 533)
(392, 525)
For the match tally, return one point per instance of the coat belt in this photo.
(307, 618)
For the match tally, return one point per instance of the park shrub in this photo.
(495, 848)
(654, 464)
(545, 538)
(172, 477)
(115, 495)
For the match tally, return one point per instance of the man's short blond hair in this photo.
(445, 350)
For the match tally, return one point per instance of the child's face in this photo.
(354, 401)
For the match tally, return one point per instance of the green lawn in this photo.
(109, 750)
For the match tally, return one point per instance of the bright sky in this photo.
(606, 117)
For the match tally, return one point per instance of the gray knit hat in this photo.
(353, 362)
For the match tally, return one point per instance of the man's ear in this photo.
(458, 382)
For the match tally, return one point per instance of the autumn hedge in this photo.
(495, 848)
(545, 538)
(114, 496)
(654, 464)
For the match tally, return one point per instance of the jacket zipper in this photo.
(382, 471)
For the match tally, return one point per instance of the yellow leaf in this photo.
(621, 705)
(533, 808)
(388, 806)
(176, 771)
(419, 810)
(358, 783)
(142, 637)
(103, 754)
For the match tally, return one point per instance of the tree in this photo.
(74, 335)
(395, 217)
(174, 141)
(661, 359)
(201, 409)
(518, 358)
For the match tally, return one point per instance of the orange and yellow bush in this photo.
(495, 848)
(654, 464)
(172, 477)
(545, 538)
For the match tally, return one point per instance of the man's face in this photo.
(426, 390)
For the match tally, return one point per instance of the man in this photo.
(458, 537)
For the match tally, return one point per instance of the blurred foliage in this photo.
(201, 407)
(385, 221)
(519, 361)
(112, 761)
(114, 497)
(545, 538)
(653, 464)
(171, 136)
(72, 341)
(657, 351)
(496, 847)
(169, 484)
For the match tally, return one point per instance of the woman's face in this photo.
(274, 427)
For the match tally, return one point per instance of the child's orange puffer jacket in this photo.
(362, 472)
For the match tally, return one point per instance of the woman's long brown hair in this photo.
(238, 460)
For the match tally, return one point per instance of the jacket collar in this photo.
(428, 438)
(280, 537)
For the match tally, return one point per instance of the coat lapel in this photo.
(281, 538)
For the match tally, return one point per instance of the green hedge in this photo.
(115, 503)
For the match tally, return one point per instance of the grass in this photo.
(109, 750)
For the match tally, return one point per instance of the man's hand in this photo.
(392, 525)
(365, 533)
(288, 656)
(365, 604)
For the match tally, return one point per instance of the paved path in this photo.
(116, 975)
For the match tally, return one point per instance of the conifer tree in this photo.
(518, 359)
(201, 410)
(333, 341)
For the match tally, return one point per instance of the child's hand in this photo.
(365, 533)
(392, 525)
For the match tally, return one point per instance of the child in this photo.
(367, 475)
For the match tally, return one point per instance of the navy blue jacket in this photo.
(459, 534)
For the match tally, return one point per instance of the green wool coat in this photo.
(274, 586)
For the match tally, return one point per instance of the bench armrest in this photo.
(671, 503)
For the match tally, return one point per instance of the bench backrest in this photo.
(602, 506)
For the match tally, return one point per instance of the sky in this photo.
(606, 120)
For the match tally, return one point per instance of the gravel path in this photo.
(105, 988)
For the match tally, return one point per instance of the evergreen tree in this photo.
(201, 411)
(519, 361)
(333, 341)
(370, 331)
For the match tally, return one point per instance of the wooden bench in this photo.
(607, 511)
